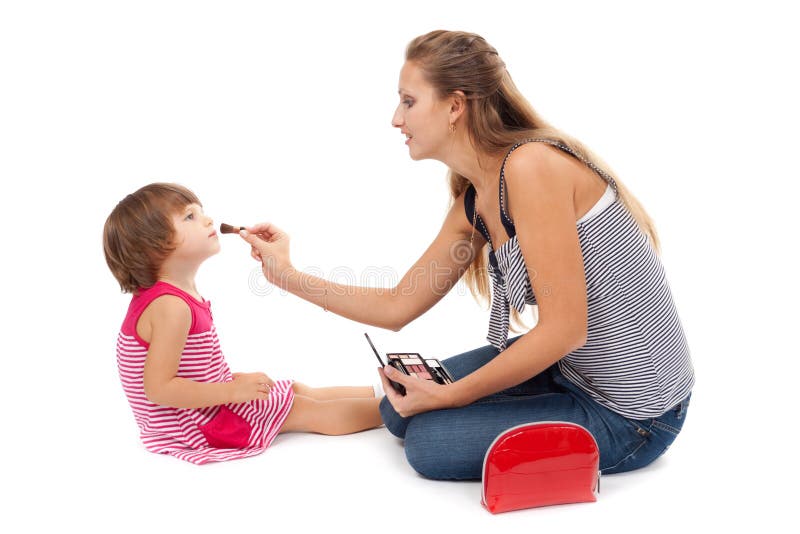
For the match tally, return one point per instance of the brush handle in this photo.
(228, 229)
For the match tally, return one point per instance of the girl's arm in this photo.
(434, 274)
(165, 325)
(545, 217)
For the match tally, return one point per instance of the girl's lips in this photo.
(213, 234)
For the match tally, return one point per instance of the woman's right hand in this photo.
(250, 386)
(269, 245)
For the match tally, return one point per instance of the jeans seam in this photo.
(644, 441)
(665, 426)
(504, 398)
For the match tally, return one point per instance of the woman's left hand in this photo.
(421, 395)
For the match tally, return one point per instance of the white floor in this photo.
(361, 483)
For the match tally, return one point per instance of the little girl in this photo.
(183, 395)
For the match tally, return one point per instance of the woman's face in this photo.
(421, 116)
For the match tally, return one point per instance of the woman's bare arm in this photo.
(541, 204)
(433, 275)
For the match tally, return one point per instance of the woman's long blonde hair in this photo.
(498, 116)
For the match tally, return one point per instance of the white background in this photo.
(283, 114)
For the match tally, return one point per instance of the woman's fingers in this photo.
(421, 395)
(266, 231)
(269, 245)
(394, 397)
(256, 244)
(397, 376)
(259, 227)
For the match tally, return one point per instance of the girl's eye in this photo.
(190, 216)
(408, 103)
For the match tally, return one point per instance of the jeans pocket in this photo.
(641, 441)
(634, 441)
(669, 425)
(642, 427)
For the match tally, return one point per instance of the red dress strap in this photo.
(201, 310)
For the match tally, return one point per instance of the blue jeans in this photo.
(451, 444)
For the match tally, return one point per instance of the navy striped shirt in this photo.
(636, 361)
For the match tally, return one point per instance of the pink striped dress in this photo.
(201, 435)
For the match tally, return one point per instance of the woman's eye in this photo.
(408, 103)
(190, 216)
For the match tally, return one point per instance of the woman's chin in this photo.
(416, 155)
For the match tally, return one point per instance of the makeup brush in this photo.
(228, 229)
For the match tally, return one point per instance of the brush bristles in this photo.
(228, 229)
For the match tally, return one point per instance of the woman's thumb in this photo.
(250, 238)
(394, 374)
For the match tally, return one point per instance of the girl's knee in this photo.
(299, 418)
(301, 389)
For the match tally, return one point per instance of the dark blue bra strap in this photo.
(504, 218)
(469, 208)
(507, 222)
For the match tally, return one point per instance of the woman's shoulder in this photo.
(537, 159)
(540, 168)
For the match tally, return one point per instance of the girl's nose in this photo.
(397, 119)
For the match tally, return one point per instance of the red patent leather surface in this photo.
(540, 464)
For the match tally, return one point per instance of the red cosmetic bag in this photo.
(539, 464)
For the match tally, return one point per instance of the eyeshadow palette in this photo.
(412, 364)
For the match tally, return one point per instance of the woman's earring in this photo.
(452, 127)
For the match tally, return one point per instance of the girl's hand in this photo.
(250, 386)
(421, 395)
(269, 245)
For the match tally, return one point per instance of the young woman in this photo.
(558, 231)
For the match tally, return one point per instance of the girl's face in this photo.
(421, 115)
(195, 235)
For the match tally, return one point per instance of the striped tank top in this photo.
(201, 435)
(635, 361)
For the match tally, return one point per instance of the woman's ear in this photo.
(458, 105)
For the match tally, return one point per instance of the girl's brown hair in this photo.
(497, 117)
(138, 235)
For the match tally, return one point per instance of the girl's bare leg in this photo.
(331, 393)
(332, 417)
